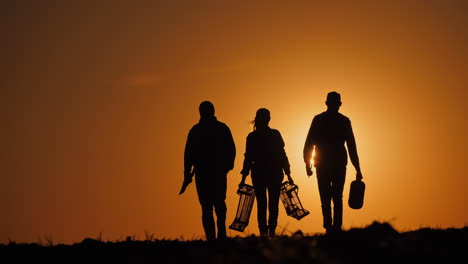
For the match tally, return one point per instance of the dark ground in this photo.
(376, 243)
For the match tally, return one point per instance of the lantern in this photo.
(291, 201)
(244, 208)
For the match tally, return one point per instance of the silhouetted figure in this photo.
(265, 158)
(211, 151)
(328, 133)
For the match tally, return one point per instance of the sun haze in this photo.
(98, 98)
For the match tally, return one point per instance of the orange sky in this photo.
(98, 99)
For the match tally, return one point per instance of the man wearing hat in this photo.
(327, 136)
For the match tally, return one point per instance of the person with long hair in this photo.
(266, 160)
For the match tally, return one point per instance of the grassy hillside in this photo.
(376, 243)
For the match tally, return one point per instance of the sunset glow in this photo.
(100, 95)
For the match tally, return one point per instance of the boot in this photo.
(263, 231)
(271, 231)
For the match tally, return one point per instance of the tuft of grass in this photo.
(49, 240)
(284, 229)
(99, 237)
(149, 236)
(11, 242)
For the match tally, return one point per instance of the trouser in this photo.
(330, 184)
(262, 186)
(211, 190)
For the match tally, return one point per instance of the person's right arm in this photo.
(230, 149)
(188, 156)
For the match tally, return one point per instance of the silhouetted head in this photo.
(206, 109)
(262, 118)
(333, 101)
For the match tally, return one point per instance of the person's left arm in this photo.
(231, 149)
(284, 159)
(352, 149)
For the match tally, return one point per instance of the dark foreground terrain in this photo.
(377, 243)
